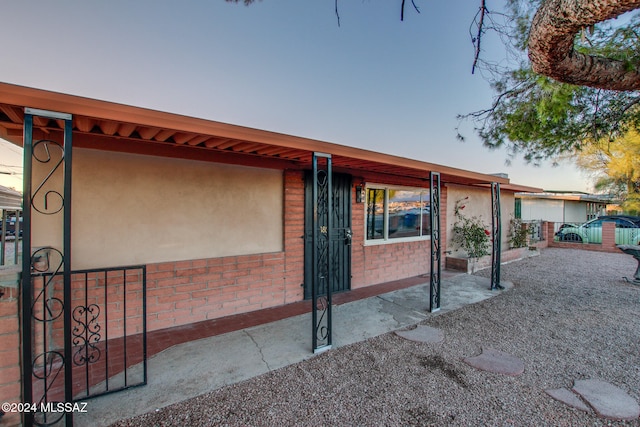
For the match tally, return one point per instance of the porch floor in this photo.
(190, 360)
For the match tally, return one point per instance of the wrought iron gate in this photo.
(322, 268)
(47, 263)
(496, 223)
(82, 331)
(436, 264)
(340, 249)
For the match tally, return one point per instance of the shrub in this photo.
(470, 233)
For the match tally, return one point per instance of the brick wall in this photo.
(373, 264)
(184, 292)
(608, 240)
(10, 386)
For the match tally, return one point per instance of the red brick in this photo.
(8, 325)
(235, 303)
(10, 374)
(206, 293)
(179, 265)
(191, 303)
(248, 293)
(234, 274)
(191, 287)
(9, 356)
(8, 308)
(199, 263)
(173, 298)
(173, 282)
(191, 272)
(159, 275)
(10, 392)
(175, 314)
(209, 277)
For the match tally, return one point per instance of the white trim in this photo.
(386, 240)
(46, 113)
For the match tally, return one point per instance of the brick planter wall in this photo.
(608, 240)
(10, 373)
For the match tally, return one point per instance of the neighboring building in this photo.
(10, 199)
(560, 207)
(215, 218)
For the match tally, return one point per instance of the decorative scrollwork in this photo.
(322, 331)
(323, 193)
(434, 282)
(86, 333)
(47, 263)
(48, 367)
(51, 201)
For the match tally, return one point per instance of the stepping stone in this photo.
(607, 400)
(568, 398)
(422, 333)
(491, 360)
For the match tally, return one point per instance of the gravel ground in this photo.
(570, 316)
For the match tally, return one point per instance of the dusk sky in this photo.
(373, 82)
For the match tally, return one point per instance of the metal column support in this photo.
(46, 362)
(322, 276)
(436, 264)
(496, 224)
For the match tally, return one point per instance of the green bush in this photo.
(470, 233)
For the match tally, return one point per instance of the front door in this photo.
(340, 251)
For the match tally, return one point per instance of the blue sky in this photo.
(373, 82)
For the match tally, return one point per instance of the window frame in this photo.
(386, 240)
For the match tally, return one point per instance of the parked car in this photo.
(627, 230)
(10, 226)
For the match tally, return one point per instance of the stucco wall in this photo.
(547, 210)
(478, 204)
(133, 209)
(575, 211)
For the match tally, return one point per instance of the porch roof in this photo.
(116, 127)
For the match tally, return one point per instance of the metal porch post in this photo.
(496, 236)
(43, 360)
(322, 277)
(436, 263)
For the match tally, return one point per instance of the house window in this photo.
(395, 213)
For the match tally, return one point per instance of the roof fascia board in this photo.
(46, 100)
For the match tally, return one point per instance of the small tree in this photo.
(470, 233)
(517, 233)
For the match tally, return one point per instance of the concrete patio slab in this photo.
(568, 398)
(422, 333)
(496, 361)
(197, 367)
(607, 400)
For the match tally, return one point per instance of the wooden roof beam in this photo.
(272, 150)
(228, 143)
(213, 142)
(181, 137)
(164, 134)
(40, 121)
(126, 129)
(246, 147)
(147, 132)
(108, 127)
(198, 140)
(14, 114)
(83, 124)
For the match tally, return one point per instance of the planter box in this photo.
(472, 265)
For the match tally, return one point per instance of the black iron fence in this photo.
(10, 236)
(108, 332)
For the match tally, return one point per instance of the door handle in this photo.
(348, 235)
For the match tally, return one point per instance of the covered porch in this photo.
(211, 355)
(234, 263)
